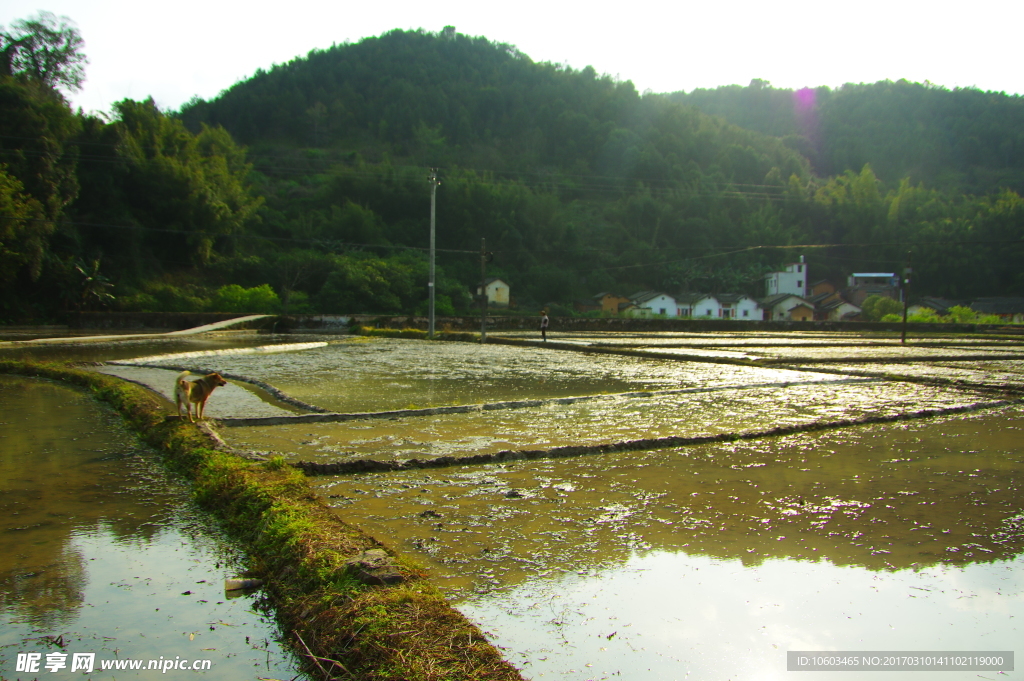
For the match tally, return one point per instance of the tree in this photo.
(46, 49)
(183, 197)
(23, 231)
(37, 129)
(877, 307)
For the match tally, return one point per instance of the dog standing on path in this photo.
(195, 392)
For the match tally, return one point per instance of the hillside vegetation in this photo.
(304, 188)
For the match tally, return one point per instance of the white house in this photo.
(497, 292)
(651, 303)
(697, 305)
(792, 280)
(738, 306)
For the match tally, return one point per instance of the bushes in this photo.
(162, 297)
(877, 308)
(234, 298)
(958, 314)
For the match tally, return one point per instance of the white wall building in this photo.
(696, 305)
(739, 306)
(653, 303)
(497, 292)
(792, 280)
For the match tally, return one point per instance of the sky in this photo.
(174, 51)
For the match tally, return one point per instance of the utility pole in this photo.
(485, 257)
(906, 296)
(432, 178)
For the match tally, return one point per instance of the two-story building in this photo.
(792, 280)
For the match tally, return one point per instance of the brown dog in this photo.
(195, 392)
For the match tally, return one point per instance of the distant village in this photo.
(789, 295)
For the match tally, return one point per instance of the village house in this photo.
(697, 305)
(861, 285)
(609, 302)
(1008, 309)
(787, 307)
(497, 292)
(738, 306)
(829, 303)
(717, 306)
(791, 280)
(650, 304)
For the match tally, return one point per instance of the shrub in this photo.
(876, 308)
(259, 299)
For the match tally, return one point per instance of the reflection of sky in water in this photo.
(669, 615)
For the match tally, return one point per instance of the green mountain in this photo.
(572, 180)
(961, 140)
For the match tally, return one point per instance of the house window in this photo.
(662, 311)
(799, 268)
(746, 313)
(799, 283)
(707, 312)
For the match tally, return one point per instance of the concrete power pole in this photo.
(430, 286)
(484, 259)
(906, 296)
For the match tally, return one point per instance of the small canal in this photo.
(889, 517)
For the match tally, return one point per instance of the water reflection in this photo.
(100, 547)
(673, 615)
(942, 491)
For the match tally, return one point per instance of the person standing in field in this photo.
(544, 321)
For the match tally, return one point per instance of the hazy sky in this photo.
(172, 51)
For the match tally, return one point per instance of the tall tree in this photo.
(47, 49)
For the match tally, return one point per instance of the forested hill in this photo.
(449, 99)
(577, 184)
(962, 140)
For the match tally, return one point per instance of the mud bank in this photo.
(347, 604)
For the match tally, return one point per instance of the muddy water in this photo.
(711, 562)
(100, 552)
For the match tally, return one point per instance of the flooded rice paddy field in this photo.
(812, 339)
(598, 421)
(710, 562)
(101, 552)
(379, 374)
(995, 374)
(702, 562)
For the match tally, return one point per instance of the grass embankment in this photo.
(344, 627)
